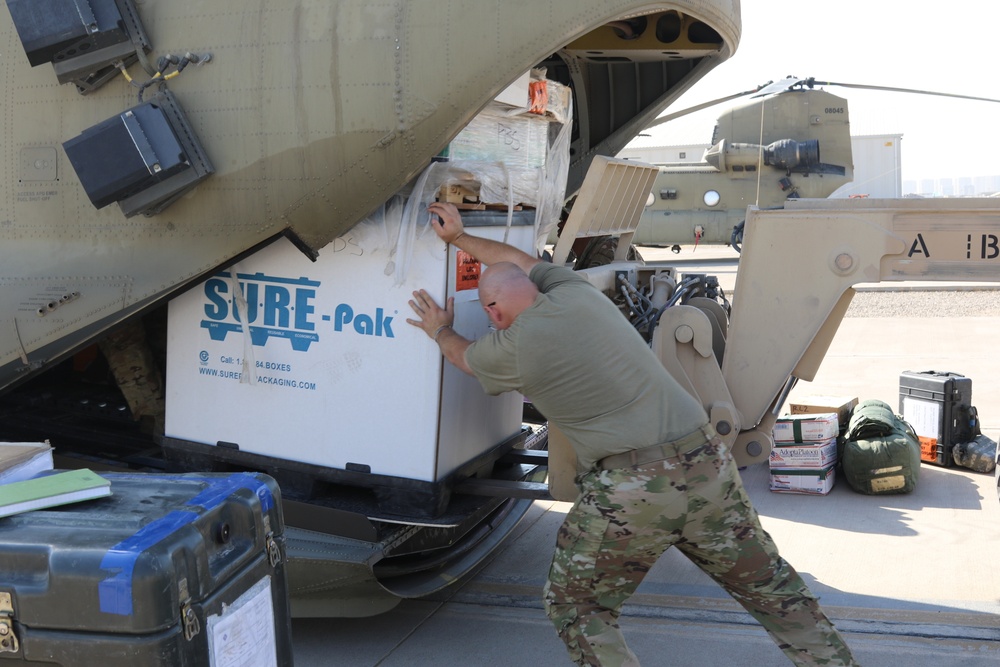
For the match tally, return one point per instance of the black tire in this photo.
(736, 240)
(600, 251)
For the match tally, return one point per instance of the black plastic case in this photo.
(169, 570)
(938, 407)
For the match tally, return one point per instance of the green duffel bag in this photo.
(872, 417)
(882, 453)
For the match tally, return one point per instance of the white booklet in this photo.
(23, 460)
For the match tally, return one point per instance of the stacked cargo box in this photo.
(805, 453)
(822, 404)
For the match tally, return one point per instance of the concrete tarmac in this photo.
(909, 579)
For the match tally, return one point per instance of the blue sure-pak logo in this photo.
(378, 324)
(279, 307)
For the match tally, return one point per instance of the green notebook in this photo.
(50, 490)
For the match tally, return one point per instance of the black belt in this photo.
(666, 450)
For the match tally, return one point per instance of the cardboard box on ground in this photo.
(806, 428)
(811, 481)
(804, 456)
(842, 405)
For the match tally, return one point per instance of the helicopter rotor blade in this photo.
(698, 107)
(788, 83)
(811, 82)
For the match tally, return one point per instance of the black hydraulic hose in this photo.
(682, 290)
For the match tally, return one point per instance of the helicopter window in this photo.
(737, 167)
(669, 27)
(712, 198)
(751, 167)
(702, 33)
(630, 29)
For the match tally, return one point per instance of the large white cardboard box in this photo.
(803, 455)
(329, 372)
(806, 427)
(811, 481)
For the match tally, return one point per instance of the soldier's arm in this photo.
(451, 230)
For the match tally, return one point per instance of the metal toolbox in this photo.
(938, 407)
(168, 570)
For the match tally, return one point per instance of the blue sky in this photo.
(945, 47)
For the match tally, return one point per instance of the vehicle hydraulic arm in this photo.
(794, 285)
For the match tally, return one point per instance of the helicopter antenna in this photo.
(760, 155)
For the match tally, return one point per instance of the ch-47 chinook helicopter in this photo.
(790, 140)
(147, 146)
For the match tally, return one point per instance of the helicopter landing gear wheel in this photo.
(736, 240)
(601, 251)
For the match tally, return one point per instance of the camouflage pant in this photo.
(626, 518)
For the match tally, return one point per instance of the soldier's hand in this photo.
(448, 225)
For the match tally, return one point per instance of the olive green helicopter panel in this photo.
(144, 144)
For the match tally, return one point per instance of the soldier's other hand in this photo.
(432, 316)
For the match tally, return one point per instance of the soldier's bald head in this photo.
(507, 286)
(504, 280)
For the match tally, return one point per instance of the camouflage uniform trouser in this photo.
(626, 518)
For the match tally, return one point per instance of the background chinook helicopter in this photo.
(790, 140)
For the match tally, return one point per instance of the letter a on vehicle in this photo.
(921, 250)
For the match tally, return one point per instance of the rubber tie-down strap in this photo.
(247, 375)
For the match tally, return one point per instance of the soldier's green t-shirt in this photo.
(586, 369)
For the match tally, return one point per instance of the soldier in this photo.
(656, 475)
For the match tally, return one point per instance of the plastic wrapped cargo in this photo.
(518, 158)
(503, 134)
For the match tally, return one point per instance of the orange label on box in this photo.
(467, 271)
(928, 448)
(538, 96)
